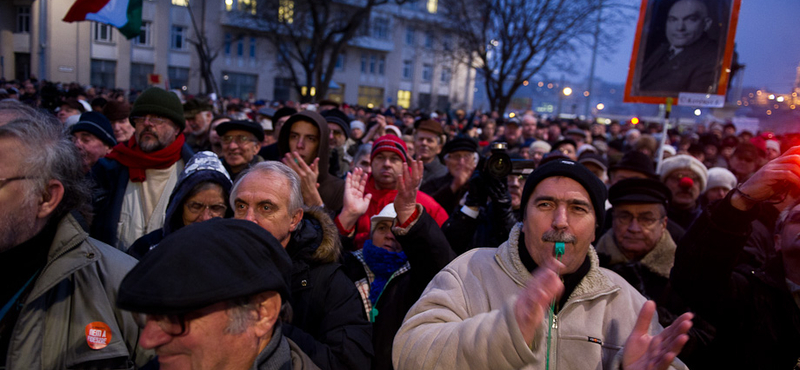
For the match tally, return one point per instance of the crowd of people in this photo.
(387, 238)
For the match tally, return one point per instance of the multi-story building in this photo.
(399, 57)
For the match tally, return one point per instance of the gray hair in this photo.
(280, 169)
(363, 149)
(240, 314)
(13, 109)
(49, 154)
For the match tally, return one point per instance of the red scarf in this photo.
(131, 156)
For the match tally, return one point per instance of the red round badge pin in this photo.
(98, 335)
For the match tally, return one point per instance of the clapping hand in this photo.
(308, 177)
(407, 185)
(355, 200)
(647, 352)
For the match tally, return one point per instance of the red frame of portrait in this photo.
(724, 76)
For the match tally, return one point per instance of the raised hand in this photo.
(407, 185)
(308, 177)
(646, 352)
(777, 178)
(355, 200)
(542, 289)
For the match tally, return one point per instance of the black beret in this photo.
(338, 118)
(636, 161)
(571, 169)
(460, 144)
(206, 263)
(249, 126)
(635, 190)
(565, 141)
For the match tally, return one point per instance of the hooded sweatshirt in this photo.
(203, 166)
(331, 189)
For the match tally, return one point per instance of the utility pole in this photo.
(588, 107)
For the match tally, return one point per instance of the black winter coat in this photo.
(328, 320)
(428, 252)
(757, 320)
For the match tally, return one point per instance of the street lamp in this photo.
(601, 106)
(567, 91)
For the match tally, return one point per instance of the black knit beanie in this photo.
(569, 168)
(156, 100)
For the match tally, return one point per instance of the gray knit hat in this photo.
(158, 101)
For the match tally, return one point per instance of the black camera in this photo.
(499, 164)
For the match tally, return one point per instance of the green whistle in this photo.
(560, 248)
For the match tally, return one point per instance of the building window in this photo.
(423, 100)
(409, 36)
(404, 98)
(238, 85)
(139, 72)
(381, 65)
(427, 72)
(103, 32)
(432, 6)
(104, 73)
(445, 75)
(370, 97)
(247, 6)
(447, 42)
(240, 47)
(340, 62)
(283, 89)
(178, 38)
(178, 78)
(380, 28)
(286, 11)
(408, 69)
(253, 47)
(23, 19)
(363, 63)
(180, 2)
(144, 37)
(429, 40)
(228, 39)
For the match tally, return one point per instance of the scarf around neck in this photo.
(383, 264)
(137, 161)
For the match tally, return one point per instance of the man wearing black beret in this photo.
(213, 295)
(241, 141)
(461, 158)
(540, 297)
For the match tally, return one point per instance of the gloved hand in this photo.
(497, 189)
(477, 192)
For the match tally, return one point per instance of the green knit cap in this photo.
(156, 100)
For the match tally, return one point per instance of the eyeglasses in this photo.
(155, 120)
(214, 209)
(169, 324)
(626, 218)
(5, 181)
(239, 139)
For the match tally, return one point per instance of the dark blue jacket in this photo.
(110, 180)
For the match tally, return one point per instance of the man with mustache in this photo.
(686, 177)
(540, 300)
(134, 181)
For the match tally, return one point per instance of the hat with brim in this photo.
(248, 126)
(639, 191)
(460, 144)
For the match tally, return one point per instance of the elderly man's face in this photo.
(427, 145)
(683, 197)
(20, 208)
(197, 125)
(528, 126)
(512, 133)
(304, 139)
(460, 161)
(386, 169)
(638, 228)
(65, 112)
(686, 23)
(209, 341)
(559, 209)
(263, 198)
(239, 147)
(515, 183)
(90, 147)
(154, 133)
(382, 237)
(338, 136)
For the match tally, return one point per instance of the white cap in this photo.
(386, 214)
(721, 177)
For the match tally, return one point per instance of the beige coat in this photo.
(465, 319)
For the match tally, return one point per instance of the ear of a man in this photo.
(50, 199)
(268, 308)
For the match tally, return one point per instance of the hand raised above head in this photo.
(355, 200)
(407, 187)
(779, 177)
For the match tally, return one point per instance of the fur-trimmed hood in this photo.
(594, 282)
(659, 260)
(316, 239)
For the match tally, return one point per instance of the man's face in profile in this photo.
(686, 23)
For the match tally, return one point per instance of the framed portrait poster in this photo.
(681, 46)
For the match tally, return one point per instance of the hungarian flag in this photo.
(125, 15)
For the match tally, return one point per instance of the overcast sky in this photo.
(767, 40)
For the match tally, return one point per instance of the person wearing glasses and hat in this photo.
(134, 181)
(241, 141)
